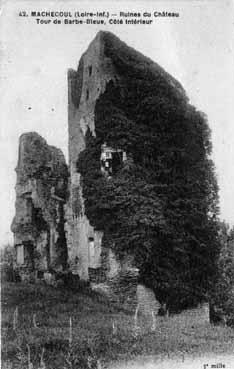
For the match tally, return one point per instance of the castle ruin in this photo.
(54, 231)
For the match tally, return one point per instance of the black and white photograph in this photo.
(117, 184)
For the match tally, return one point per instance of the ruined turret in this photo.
(41, 191)
(103, 66)
(85, 86)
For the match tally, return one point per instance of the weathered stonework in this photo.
(84, 88)
(41, 191)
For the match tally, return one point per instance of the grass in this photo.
(93, 337)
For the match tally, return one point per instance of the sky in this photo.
(197, 48)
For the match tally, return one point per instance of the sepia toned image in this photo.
(117, 227)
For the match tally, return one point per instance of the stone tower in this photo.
(84, 88)
(96, 69)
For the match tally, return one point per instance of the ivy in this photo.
(161, 205)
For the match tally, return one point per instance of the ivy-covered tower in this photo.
(142, 185)
(97, 69)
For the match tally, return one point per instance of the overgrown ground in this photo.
(41, 335)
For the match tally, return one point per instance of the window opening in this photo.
(20, 254)
(111, 160)
(91, 250)
(40, 274)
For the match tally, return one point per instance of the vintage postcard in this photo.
(117, 221)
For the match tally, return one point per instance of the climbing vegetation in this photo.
(161, 205)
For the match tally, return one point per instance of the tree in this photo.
(223, 292)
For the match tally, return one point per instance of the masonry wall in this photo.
(84, 88)
(41, 191)
(195, 316)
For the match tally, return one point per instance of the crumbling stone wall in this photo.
(41, 192)
(146, 300)
(198, 315)
(84, 88)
